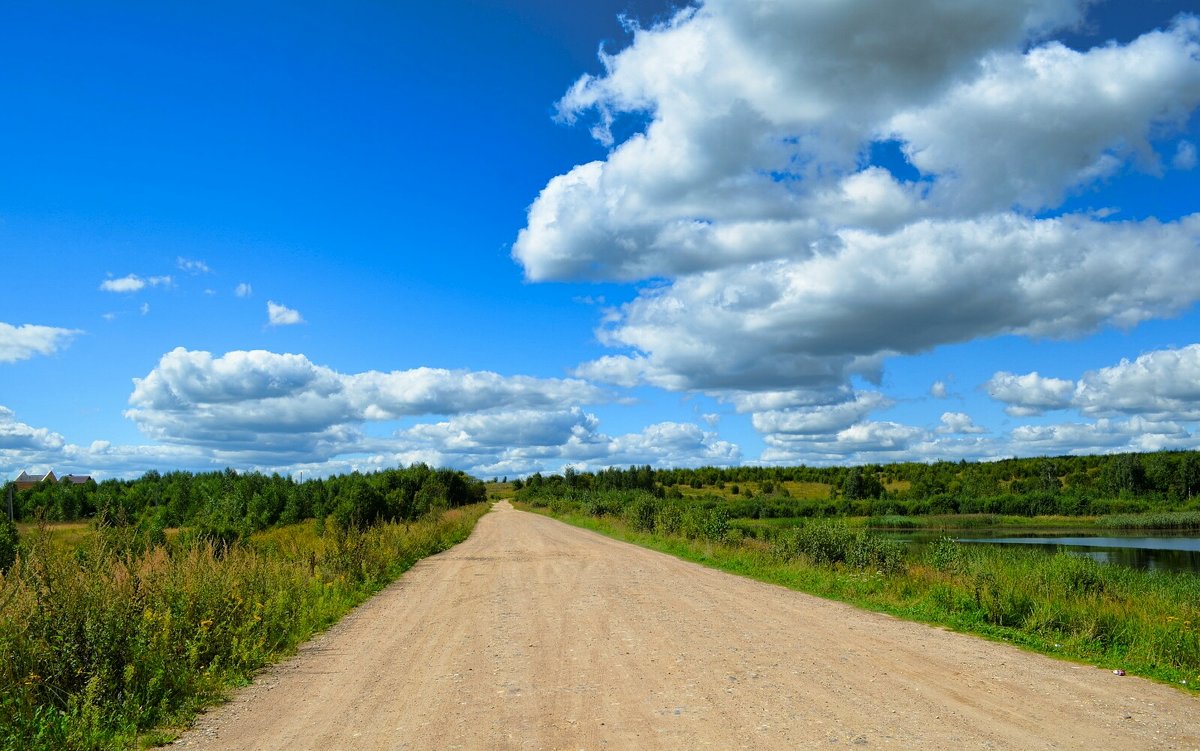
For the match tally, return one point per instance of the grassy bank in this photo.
(101, 643)
(1147, 623)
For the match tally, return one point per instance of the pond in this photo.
(1154, 552)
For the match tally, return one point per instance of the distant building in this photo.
(26, 480)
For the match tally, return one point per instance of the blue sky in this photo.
(512, 236)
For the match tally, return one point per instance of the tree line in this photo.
(1068, 485)
(230, 503)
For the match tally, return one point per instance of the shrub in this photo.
(868, 551)
(945, 554)
(669, 519)
(642, 512)
(716, 525)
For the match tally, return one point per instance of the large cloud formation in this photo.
(249, 408)
(812, 188)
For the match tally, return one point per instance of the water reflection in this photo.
(1145, 552)
(1150, 552)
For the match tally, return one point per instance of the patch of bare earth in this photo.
(536, 635)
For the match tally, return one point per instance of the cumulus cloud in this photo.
(421, 391)
(785, 259)
(814, 322)
(1053, 118)
(1164, 384)
(263, 408)
(958, 423)
(281, 315)
(18, 438)
(1030, 394)
(134, 283)
(938, 390)
(1159, 385)
(868, 441)
(243, 290)
(1101, 436)
(822, 419)
(24, 341)
(265, 401)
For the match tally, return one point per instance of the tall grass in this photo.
(1179, 520)
(120, 636)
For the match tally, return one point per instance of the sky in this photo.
(509, 237)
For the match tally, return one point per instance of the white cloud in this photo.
(134, 283)
(820, 420)
(860, 443)
(192, 266)
(436, 391)
(1159, 385)
(1164, 384)
(145, 308)
(285, 406)
(281, 315)
(1053, 119)
(16, 436)
(1030, 394)
(782, 263)
(243, 290)
(1101, 436)
(811, 323)
(24, 341)
(741, 94)
(958, 423)
(938, 390)
(669, 444)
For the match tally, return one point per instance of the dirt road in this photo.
(536, 635)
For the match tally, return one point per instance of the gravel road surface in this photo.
(534, 634)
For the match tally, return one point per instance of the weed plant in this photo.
(127, 633)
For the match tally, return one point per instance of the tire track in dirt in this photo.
(536, 635)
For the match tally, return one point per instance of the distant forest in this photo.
(1066, 485)
(230, 504)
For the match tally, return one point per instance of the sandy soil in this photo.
(536, 635)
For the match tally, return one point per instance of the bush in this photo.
(670, 518)
(826, 542)
(868, 551)
(642, 512)
(716, 525)
(945, 554)
(823, 542)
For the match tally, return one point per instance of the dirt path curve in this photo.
(536, 635)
